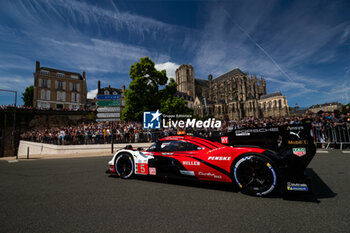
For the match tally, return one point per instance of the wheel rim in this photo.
(255, 175)
(124, 166)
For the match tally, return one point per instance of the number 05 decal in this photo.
(142, 168)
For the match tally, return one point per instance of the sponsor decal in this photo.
(194, 163)
(219, 158)
(209, 174)
(224, 140)
(297, 187)
(299, 151)
(142, 168)
(246, 132)
(187, 173)
(298, 142)
(295, 128)
(216, 149)
(152, 171)
(151, 120)
(295, 134)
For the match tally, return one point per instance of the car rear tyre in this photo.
(255, 175)
(124, 165)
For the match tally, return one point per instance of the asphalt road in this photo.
(75, 195)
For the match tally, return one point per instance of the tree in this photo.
(144, 94)
(346, 109)
(170, 104)
(28, 96)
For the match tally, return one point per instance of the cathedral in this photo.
(232, 96)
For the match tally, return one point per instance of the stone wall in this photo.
(34, 119)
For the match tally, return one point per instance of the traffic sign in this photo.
(108, 103)
(108, 109)
(108, 115)
(108, 97)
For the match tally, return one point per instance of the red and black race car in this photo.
(256, 171)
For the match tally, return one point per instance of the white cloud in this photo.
(92, 94)
(170, 68)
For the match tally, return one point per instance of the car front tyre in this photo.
(124, 165)
(255, 175)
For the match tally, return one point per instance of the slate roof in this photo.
(271, 95)
(231, 73)
(61, 71)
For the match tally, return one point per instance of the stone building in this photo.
(59, 89)
(326, 107)
(233, 95)
(274, 104)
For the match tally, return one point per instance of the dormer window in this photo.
(45, 72)
(60, 75)
(74, 76)
(106, 92)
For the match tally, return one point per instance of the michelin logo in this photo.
(151, 120)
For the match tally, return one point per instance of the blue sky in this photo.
(302, 48)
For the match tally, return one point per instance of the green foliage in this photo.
(144, 94)
(28, 96)
(92, 116)
(345, 109)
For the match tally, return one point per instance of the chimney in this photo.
(83, 74)
(123, 88)
(98, 86)
(37, 66)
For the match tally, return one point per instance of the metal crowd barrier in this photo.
(332, 135)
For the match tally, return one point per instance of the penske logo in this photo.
(219, 158)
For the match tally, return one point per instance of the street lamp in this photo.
(14, 121)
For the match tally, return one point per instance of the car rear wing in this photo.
(297, 140)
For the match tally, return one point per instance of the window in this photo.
(60, 85)
(115, 93)
(60, 75)
(44, 83)
(74, 76)
(45, 94)
(74, 86)
(75, 97)
(106, 92)
(170, 146)
(61, 96)
(45, 72)
(280, 104)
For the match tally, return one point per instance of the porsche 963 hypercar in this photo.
(256, 171)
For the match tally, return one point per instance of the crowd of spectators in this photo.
(129, 132)
(22, 107)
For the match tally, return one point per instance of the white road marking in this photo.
(12, 161)
(322, 152)
(346, 151)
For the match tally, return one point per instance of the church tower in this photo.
(185, 80)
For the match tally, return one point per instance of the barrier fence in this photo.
(326, 136)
